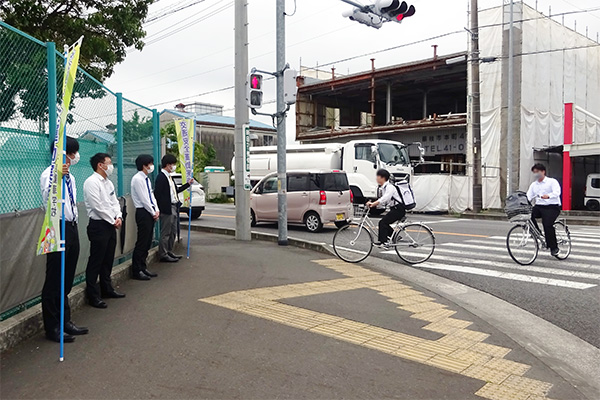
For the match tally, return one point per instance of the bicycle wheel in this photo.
(563, 239)
(352, 243)
(414, 243)
(521, 245)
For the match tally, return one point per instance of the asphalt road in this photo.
(473, 252)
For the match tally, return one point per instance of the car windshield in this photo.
(393, 154)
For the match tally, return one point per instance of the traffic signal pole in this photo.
(475, 109)
(282, 237)
(242, 196)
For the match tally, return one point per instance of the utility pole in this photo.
(510, 114)
(242, 196)
(282, 238)
(475, 108)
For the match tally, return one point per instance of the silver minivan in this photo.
(314, 198)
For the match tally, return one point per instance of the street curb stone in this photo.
(29, 323)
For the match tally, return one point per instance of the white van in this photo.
(592, 192)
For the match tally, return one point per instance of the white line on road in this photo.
(490, 247)
(507, 275)
(575, 242)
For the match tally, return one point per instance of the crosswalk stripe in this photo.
(490, 247)
(486, 258)
(574, 242)
(507, 275)
(531, 268)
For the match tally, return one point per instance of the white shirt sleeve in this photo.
(530, 192)
(116, 206)
(44, 185)
(555, 190)
(92, 190)
(386, 198)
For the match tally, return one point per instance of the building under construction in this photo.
(423, 101)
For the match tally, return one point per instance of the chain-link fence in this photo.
(100, 119)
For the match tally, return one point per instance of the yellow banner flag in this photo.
(185, 139)
(50, 237)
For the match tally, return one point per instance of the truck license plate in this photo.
(340, 217)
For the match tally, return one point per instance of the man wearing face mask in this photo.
(146, 213)
(51, 289)
(546, 192)
(166, 192)
(105, 217)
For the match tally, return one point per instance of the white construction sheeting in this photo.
(452, 193)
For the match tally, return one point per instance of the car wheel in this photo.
(312, 221)
(593, 205)
(252, 218)
(196, 213)
(341, 224)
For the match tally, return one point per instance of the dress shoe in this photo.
(55, 336)
(148, 273)
(97, 303)
(73, 329)
(113, 295)
(140, 276)
(177, 256)
(168, 258)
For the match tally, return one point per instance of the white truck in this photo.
(360, 159)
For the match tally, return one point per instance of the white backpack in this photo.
(406, 194)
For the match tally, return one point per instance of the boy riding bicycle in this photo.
(546, 192)
(390, 198)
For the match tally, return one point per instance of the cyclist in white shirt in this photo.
(390, 198)
(546, 193)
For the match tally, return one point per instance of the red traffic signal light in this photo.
(394, 9)
(255, 81)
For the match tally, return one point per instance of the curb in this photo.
(29, 323)
(572, 358)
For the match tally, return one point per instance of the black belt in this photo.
(72, 223)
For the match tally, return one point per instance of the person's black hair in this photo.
(142, 160)
(539, 167)
(168, 159)
(384, 173)
(98, 158)
(72, 146)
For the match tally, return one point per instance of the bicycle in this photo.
(524, 239)
(414, 242)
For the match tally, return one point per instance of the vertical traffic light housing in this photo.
(254, 96)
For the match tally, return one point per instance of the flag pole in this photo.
(63, 237)
(190, 189)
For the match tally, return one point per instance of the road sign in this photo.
(246, 137)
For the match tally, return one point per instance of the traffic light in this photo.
(367, 18)
(254, 95)
(394, 10)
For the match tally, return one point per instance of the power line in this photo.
(172, 10)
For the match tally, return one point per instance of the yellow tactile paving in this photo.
(459, 350)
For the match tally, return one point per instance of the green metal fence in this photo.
(102, 120)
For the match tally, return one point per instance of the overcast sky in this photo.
(200, 58)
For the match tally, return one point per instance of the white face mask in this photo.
(75, 159)
(151, 169)
(537, 176)
(109, 169)
(172, 168)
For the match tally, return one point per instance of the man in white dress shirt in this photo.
(546, 193)
(51, 289)
(105, 217)
(146, 213)
(390, 198)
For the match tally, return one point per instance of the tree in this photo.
(203, 154)
(137, 128)
(109, 27)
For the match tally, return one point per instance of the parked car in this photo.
(198, 198)
(314, 198)
(592, 192)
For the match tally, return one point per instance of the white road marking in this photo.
(507, 275)
(490, 247)
(574, 242)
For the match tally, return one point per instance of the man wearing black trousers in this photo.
(390, 198)
(146, 213)
(166, 192)
(51, 290)
(105, 216)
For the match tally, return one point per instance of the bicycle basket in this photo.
(518, 207)
(360, 210)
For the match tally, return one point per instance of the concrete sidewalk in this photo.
(255, 320)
